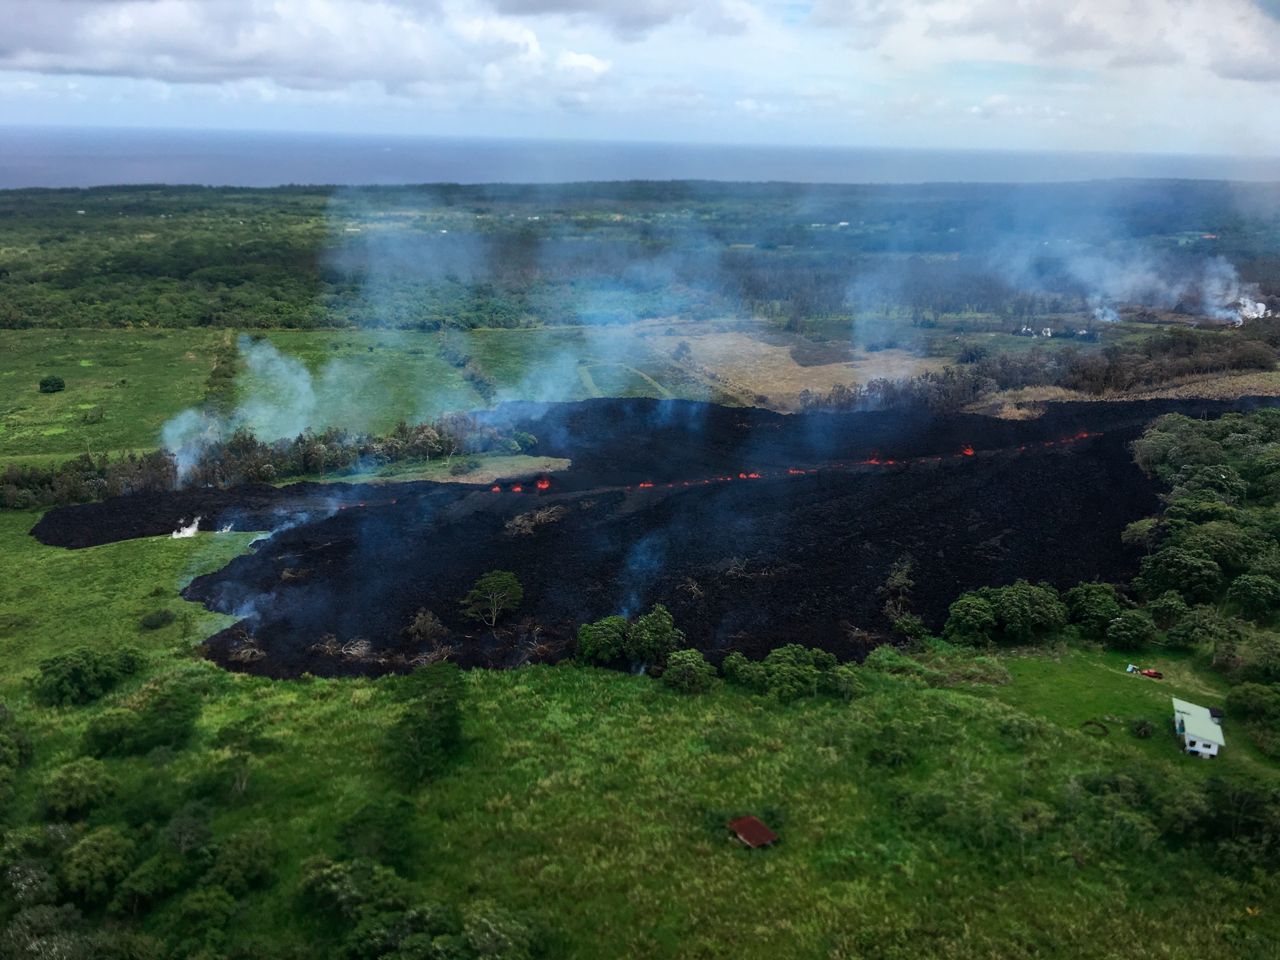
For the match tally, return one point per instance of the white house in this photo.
(1201, 734)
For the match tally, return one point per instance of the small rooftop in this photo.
(752, 832)
(1197, 722)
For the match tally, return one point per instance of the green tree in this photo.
(494, 594)
(1254, 701)
(1141, 533)
(1191, 574)
(75, 788)
(971, 620)
(688, 672)
(1256, 596)
(1093, 606)
(1168, 609)
(653, 636)
(1209, 482)
(1204, 629)
(1228, 545)
(1025, 612)
(52, 384)
(1132, 630)
(96, 863)
(604, 641)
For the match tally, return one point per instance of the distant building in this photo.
(1200, 731)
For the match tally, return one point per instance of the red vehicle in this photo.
(1153, 674)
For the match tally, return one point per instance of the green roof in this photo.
(1197, 723)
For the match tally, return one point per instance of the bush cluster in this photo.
(83, 674)
(649, 639)
(1017, 614)
(375, 913)
(792, 672)
(161, 714)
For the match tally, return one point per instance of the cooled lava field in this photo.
(754, 528)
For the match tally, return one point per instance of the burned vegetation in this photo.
(754, 529)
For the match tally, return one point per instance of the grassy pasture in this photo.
(121, 387)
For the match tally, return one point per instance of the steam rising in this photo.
(411, 262)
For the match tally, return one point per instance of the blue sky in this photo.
(1130, 75)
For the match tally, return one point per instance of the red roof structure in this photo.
(752, 832)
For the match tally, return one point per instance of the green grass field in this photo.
(594, 801)
(121, 387)
(1071, 687)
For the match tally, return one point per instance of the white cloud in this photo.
(1171, 74)
(582, 64)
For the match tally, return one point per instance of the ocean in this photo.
(63, 157)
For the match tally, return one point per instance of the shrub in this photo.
(740, 671)
(75, 788)
(911, 628)
(1141, 533)
(1256, 596)
(1093, 606)
(1254, 701)
(1142, 728)
(971, 620)
(845, 682)
(788, 681)
(426, 628)
(52, 384)
(1203, 628)
(245, 860)
(1168, 609)
(157, 619)
(604, 641)
(162, 716)
(1132, 630)
(83, 675)
(688, 672)
(97, 863)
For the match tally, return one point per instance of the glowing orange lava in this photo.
(543, 484)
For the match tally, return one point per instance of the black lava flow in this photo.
(754, 528)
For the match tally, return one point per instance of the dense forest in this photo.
(505, 256)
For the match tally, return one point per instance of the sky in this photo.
(1149, 76)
